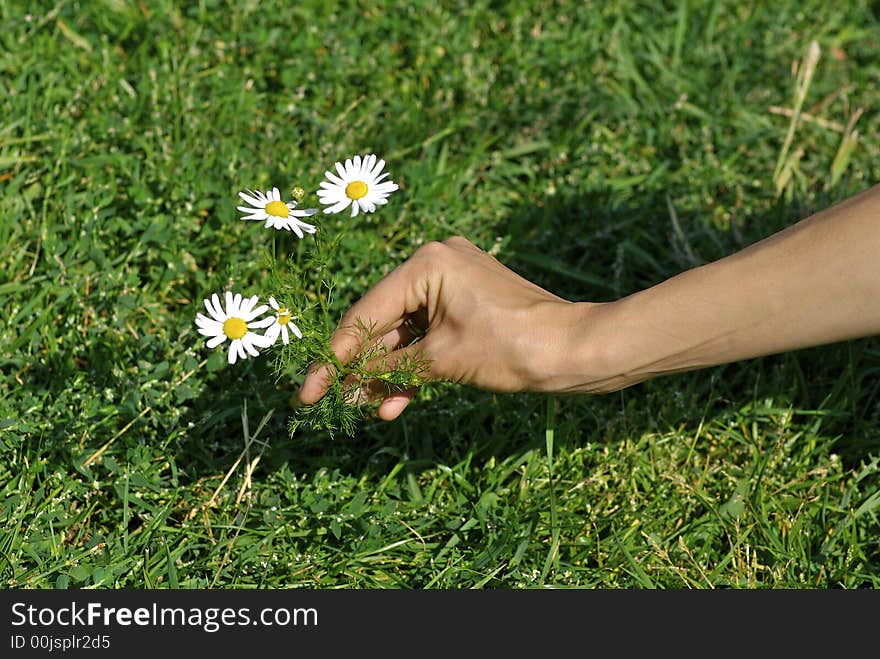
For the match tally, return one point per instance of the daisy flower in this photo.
(236, 323)
(281, 323)
(278, 214)
(359, 184)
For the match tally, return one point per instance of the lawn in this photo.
(595, 148)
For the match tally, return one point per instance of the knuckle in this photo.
(432, 250)
(458, 241)
(433, 247)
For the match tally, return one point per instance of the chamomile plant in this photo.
(289, 318)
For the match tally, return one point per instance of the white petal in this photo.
(284, 338)
(261, 323)
(332, 198)
(295, 330)
(272, 333)
(354, 209)
(245, 209)
(308, 212)
(262, 340)
(341, 171)
(273, 303)
(208, 324)
(252, 200)
(217, 310)
(374, 172)
(308, 228)
(339, 207)
(247, 304)
(333, 178)
(275, 195)
(248, 344)
(250, 315)
(369, 162)
(216, 341)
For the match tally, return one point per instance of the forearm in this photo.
(814, 283)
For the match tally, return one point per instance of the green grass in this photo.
(597, 148)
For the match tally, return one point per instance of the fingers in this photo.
(391, 405)
(320, 376)
(382, 309)
(382, 312)
(394, 404)
(316, 383)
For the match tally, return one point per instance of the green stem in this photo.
(322, 300)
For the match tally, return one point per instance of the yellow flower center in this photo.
(283, 316)
(234, 328)
(277, 208)
(355, 190)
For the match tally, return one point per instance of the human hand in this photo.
(815, 282)
(483, 325)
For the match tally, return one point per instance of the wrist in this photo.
(584, 351)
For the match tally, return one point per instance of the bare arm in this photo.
(816, 282)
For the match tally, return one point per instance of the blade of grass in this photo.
(549, 433)
(806, 70)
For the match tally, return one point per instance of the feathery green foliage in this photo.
(307, 288)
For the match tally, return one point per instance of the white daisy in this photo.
(281, 323)
(278, 214)
(236, 323)
(359, 183)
